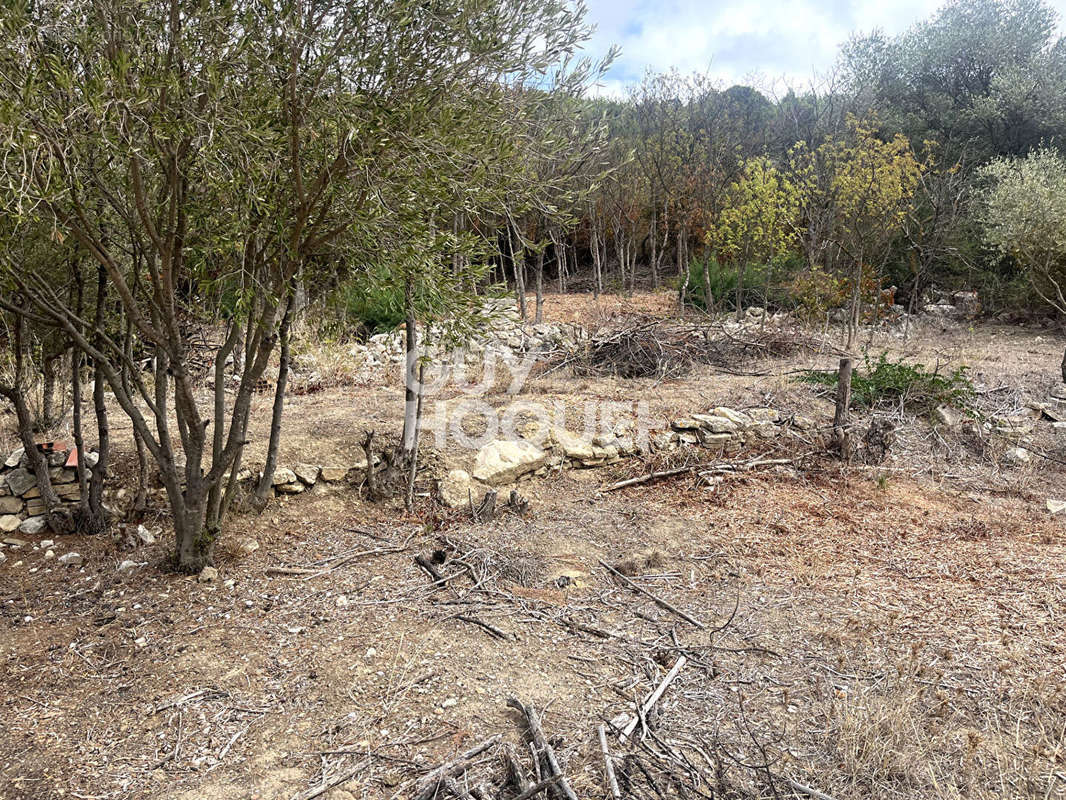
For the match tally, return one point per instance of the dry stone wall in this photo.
(21, 506)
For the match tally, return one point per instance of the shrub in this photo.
(375, 305)
(893, 383)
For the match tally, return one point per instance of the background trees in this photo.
(1024, 217)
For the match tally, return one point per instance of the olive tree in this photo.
(1023, 216)
(206, 155)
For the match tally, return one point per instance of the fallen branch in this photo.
(652, 476)
(653, 698)
(450, 769)
(490, 628)
(807, 790)
(612, 780)
(540, 743)
(540, 787)
(658, 600)
(326, 785)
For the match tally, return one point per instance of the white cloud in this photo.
(734, 40)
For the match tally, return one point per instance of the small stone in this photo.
(451, 702)
(10, 505)
(49, 555)
(283, 476)
(32, 493)
(1017, 456)
(307, 473)
(46, 543)
(371, 652)
(14, 458)
(457, 488)
(1056, 506)
(946, 415)
(334, 474)
(1058, 392)
(685, 424)
(11, 541)
(9, 523)
(140, 641)
(207, 574)
(246, 545)
(147, 536)
(802, 423)
(32, 526)
(290, 488)
(341, 601)
(71, 559)
(128, 566)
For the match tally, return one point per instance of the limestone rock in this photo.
(1058, 392)
(207, 574)
(685, 424)
(290, 488)
(68, 491)
(9, 523)
(1017, 456)
(71, 559)
(946, 415)
(764, 415)
(31, 526)
(1056, 506)
(60, 476)
(14, 458)
(716, 441)
(307, 473)
(716, 424)
(11, 541)
(128, 566)
(20, 481)
(335, 474)
(10, 505)
(504, 461)
(574, 446)
(738, 418)
(146, 536)
(458, 487)
(802, 423)
(35, 508)
(282, 476)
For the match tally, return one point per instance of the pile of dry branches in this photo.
(658, 349)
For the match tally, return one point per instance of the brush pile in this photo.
(661, 350)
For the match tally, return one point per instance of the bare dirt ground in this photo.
(887, 632)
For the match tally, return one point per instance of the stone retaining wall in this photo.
(21, 506)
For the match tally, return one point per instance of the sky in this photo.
(770, 43)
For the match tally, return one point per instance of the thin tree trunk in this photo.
(409, 501)
(654, 250)
(518, 258)
(97, 520)
(411, 391)
(538, 315)
(597, 281)
(266, 480)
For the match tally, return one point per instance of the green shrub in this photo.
(723, 284)
(375, 306)
(892, 383)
